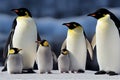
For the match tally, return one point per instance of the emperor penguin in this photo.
(14, 61)
(107, 41)
(64, 61)
(44, 57)
(77, 44)
(23, 35)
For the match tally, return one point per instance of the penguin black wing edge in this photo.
(9, 41)
(116, 21)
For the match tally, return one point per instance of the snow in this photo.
(88, 75)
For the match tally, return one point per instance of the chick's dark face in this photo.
(99, 13)
(22, 12)
(71, 25)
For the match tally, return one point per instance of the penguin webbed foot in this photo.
(112, 73)
(100, 72)
(80, 71)
(4, 69)
(42, 72)
(28, 71)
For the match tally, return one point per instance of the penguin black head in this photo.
(72, 25)
(100, 13)
(64, 51)
(14, 51)
(22, 12)
(43, 43)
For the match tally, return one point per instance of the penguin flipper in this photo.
(9, 41)
(54, 57)
(90, 50)
(64, 45)
(93, 43)
(5, 66)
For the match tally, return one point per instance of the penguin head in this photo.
(65, 51)
(44, 43)
(72, 25)
(100, 13)
(22, 12)
(14, 50)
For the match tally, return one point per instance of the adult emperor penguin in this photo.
(77, 44)
(107, 41)
(14, 61)
(23, 35)
(64, 61)
(44, 57)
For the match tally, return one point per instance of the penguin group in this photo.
(24, 46)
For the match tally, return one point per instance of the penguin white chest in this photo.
(44, 59)
(108, 45)
(24, 37)
(76, 45)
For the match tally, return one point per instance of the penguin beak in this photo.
(15, 10)
(66, 24)
(92, 14)
(38, 42)
(20, 49)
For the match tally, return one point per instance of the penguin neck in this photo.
(76, 31)
(105, 18)
(23, 17)
(105, 22)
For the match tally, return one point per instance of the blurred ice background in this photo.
(49, 16)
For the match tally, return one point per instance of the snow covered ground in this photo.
(88, 75)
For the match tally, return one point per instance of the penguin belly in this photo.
(14, 64)
(44, 59)
(108, 46)
(24, 38)
(76, 45)
(63, 63)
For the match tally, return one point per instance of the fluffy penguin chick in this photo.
(107, 41)
(44, 57)
(64, 61)
(14, 61)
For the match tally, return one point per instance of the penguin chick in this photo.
(14, 61)
(107, 41)
(64, 61)
(77, 44)
(44, 57)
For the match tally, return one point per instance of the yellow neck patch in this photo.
(65, 52)
(12, 51)
(46, 44)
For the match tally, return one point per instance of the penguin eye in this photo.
(99, 13)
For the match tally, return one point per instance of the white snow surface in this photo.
(88, 75)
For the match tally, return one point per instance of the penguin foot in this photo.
(72, 71)
(100, 72)
(42, 72)
(67, 72)
(111, 73)
(49, 72)
(28, 71)
(80, 71)
(15, 73)
(4, 69)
